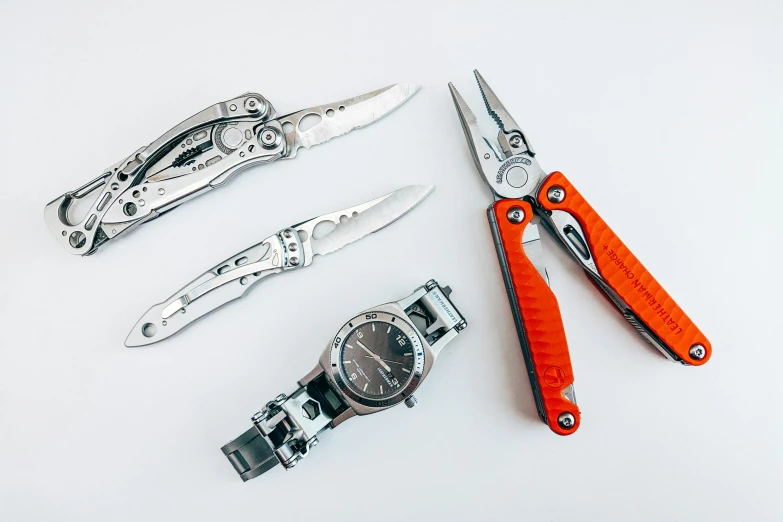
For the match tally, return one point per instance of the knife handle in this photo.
(537, 318)
(646, 305)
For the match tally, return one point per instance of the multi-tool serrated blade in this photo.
(291, 248)
(200, 154)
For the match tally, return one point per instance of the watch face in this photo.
(378, 359)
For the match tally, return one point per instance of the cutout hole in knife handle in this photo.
(654, 313)
(537, 318)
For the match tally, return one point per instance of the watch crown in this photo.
(410, 401)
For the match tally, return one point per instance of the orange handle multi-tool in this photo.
(523, 191)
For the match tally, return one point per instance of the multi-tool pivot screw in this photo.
(555, 194)
(697, 352)
(566, 421)
(515, 215)
(254, 105)
(269, 138)
(429, 285)
(288, 234)
(515, 141)
(294, 261)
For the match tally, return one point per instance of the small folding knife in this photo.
(291, 248)
(522, 191)
(202, 153)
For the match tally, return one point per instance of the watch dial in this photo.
(377, 359)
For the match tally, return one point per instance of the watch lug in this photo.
(312, 374)
(344, 416)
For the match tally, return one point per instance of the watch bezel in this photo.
(420, 352)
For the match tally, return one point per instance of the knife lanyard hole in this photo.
(577, 241)
(149, 330)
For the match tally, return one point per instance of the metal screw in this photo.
(486, 156)
(515, 141)
(697, 352)
(269, 137)
(555, 194)
(161, 191)
(253, 105)
(461, 325)
(429, 285)
(410, 401)
(566, 421)
(288, 234)
(292, 247)
(232, 107)
(515, 215)
(293, 261)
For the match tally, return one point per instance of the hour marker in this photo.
(381, 388)
(406, 370)
(373, 327)
(347, 362)
(349, 346)
(365, 387)
(407, 354)
(389, 330)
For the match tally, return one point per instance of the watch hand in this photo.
(387, 360)
(374, 356)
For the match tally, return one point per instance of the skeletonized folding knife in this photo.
(289, 249)
(202, 153)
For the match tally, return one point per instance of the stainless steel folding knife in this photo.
(202, 153)
(291, 248)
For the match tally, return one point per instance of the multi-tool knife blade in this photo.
(291, 248)
(202, 153)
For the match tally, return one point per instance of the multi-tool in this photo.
(522, 192)
(291, 248)
(202, 153)
(375, 361)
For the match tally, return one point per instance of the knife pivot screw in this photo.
(697, 352)
(254, 105)
(566, 421)
(429, 285)
(555, 194)
(294, 261)
(292, 247)
(515, 215)
(288, 234)
(269, 138)
(515, 141)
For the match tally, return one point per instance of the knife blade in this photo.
(291, 248)
(342, 117)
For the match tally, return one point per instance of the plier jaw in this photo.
(510, 168)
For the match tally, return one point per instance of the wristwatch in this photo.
(375, 361)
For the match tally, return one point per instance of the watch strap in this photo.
(285, 430)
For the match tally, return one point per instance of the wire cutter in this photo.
(523, 191)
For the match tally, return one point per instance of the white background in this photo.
(666, 115)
